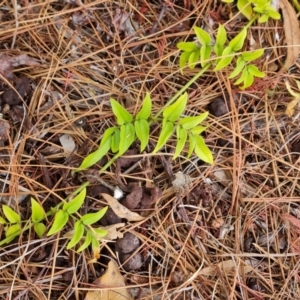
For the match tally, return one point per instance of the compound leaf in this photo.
(92, 218)
(122, 115)
(73, 206)
(37, 211)
(174, 111)
(60, 220)
(181, 134)
(145, 111)
(166, 132)
(127, 137)
(142, 130)
(10, 214)
(78, 233)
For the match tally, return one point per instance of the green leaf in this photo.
(238, 69)
(2, 221)
(183, 59)
(60, 220)
(100, 233)
(272, 13)
(191, 122)
(10, 215)
(237, 42)
(122, 115)
(95, 246)
(145, 111)
(202, 151)
(192, 145)
(252, 55)
(243, 77)
(10, 238)
(221, 35)
(78, 234)
(225, 59)
(227, 1)
(127, 137)
(103, 149)
(166, 132)
(263, 19)
(115, 141)
(198, 129)
(142, 130)
(181, 139)
(73, 206)
(37, 211)
(194, 59)
(174, 111)
(92, 218)
(86, 243)
(253, 70)
(39, 229)
(205, 52)
(248, 81)
(202, 35)
(187, 46)
(12, 230)
(245, 8)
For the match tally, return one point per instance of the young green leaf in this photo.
(243, 77)
(183, 59)
(197, 130)
(2, 221)
(181, 134)
(86, 243)
(37, 211)
(253, 70)
(122, 115)
(202, 35)
(192, 145)
(8, 239)
(60, 220)
(221, 37)
(115, 141)
(145, 111)
(10, 215)
(202, 151)
(225, 60)
(39, 229)
(95, 247)
(194, 59)
(174, 111)
(78, 234)
(103, 149)
(244, 6)
(73, 206)
(272, 13)
(12, 230)
(166, 132)
(237, 42)
(100, 233)
(142, 130)
(127, 137)
(227, 1)
(240, 64)
(191, 122)
(187, 46)
(252, 55)
(92, 218)
(263, 19)
(205, 52)
(248, 81)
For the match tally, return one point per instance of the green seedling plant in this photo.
(222, 53)
(83, 231)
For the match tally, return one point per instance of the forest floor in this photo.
(234, 233)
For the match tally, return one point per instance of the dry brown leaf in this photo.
(111, 278)
(226, 266)
(112, 232)
(120, 210)
(291, 106)
(292, 32)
